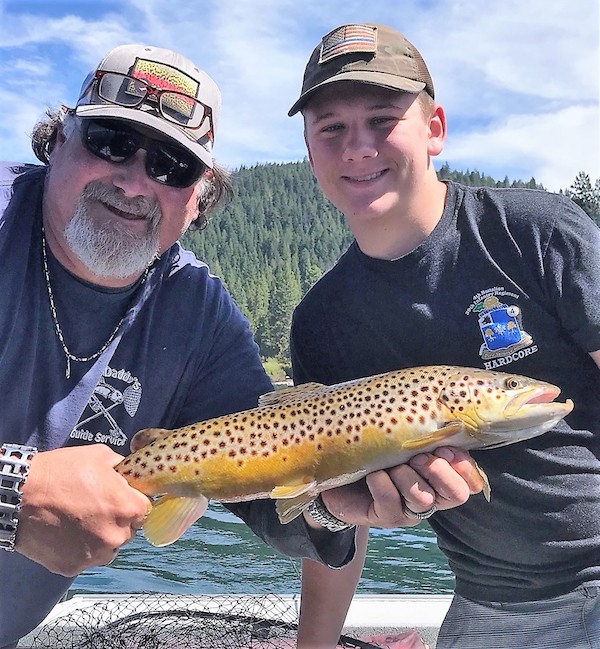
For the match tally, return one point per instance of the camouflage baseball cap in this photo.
(368, 53)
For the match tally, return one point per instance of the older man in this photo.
(108, 326)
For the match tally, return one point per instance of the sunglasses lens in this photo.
(165, 163)
(173, 166)
(110, 142)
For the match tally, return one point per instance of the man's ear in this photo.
(59, 139)
(60, 134)
(437, 131)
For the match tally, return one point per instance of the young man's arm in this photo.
(445, 479)
(326, 597)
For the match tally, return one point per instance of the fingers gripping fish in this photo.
(304, 440)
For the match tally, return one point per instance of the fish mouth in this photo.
(528, 415)
(537, 396)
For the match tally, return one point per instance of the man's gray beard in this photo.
(110, 248)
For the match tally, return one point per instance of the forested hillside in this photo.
(270, 244)
(276, 238)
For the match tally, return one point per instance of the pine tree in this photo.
(586, 196)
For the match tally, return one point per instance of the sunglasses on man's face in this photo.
(167, 164)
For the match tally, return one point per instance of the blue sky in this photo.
(519, 78)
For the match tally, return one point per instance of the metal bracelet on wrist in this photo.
(14, 469)
(325, 518)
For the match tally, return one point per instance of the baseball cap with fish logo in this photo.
(368, 53)
(157, 88)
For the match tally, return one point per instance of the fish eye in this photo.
(511, 383)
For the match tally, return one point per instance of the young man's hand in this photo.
(443, 479)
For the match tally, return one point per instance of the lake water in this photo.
(219, 554)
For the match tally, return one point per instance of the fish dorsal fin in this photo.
(440, 435)
(289, 395)
(147, 436)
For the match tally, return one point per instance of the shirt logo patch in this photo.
(501, 327)
(117, 393)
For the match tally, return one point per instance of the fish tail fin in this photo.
(171, 516)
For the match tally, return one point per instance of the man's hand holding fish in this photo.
(90, 513)
(427, 483)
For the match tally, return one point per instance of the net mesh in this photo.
(177, 622)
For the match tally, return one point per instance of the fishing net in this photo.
(179, 622)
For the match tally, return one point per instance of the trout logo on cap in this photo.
(159, 75)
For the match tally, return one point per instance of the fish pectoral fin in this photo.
(291, 508)
(292, 500)
(147, 436)
(487, 489)
(293, 490)
(289, 395)
(440, 435)
(171, 516)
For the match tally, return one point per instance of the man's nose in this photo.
(131, 176)
(359, 144)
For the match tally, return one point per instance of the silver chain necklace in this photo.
(68, 355)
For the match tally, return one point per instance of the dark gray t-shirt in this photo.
(509, 280)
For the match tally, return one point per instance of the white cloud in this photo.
(537, 145)
(519, 80)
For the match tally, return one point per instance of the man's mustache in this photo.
(138, 206)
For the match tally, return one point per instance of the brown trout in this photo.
(303, 440)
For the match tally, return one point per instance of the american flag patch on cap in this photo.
(348, 40)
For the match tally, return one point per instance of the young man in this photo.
(108, 326)
(440, 273)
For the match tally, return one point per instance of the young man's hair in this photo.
(426, 102)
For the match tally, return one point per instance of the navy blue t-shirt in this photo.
(509, 280)
(184, 353)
